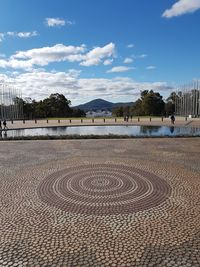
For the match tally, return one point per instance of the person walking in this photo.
(172, 119)
(5, 125)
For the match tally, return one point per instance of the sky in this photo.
(87, 49)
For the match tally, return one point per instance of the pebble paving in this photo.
(100, 203)
(104, 189)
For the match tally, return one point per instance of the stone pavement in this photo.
(100, 203)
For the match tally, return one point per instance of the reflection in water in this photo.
(62, 129)
(171, 129)
(5, 134)
(149, 130)
(104, 130)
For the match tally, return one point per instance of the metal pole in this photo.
(197, 100)
(198, 111)
(21, 104)
(182, 104)
(1, 100)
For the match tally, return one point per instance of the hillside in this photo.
(101, 104)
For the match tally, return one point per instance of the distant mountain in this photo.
(101, 104)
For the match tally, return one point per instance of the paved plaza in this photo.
(155, 121)
(100, 203)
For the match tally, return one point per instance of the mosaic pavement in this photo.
(100, 203)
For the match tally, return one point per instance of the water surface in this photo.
(139, 131)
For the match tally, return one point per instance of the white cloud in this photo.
(2, 35)
(41, 84)
(22, 34)
(16, 64)
(54, 22)
(141, 56)
(41, 57)
(91, 62)
(130, 45)
(108, 62)
(4, 78)
(96, 55)
(151, 67)
(182, 7)
(44, 55)
(18, 34)
(120, 69)
(128, 60)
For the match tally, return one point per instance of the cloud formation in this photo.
(120, 69)
(56, 22)
(22, 34)
(108, 62)
(96, 55)
(182, 7)
(40, 84)
(128, 60)
(43, 56)
(18, 35)
(141, 56)
(2, 35)
(130, 45)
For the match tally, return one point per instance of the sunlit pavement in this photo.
(180, 121)
(100, 203)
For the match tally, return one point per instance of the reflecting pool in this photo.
(139, 131)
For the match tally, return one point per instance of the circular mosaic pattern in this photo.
(103, 189)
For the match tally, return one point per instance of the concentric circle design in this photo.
(103, 189)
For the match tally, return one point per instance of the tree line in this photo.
(56, 105)
(150, 103)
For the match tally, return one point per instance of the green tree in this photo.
(153, 104)
(118, 111)
(171, 101)
(136, 109)
(40, 109)
(57, 105)
(150, 103)
(143, 94)
(76, 112)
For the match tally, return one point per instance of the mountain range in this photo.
(101, 104)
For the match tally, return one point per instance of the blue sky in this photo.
(88, 49)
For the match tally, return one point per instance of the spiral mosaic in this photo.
(103, 189)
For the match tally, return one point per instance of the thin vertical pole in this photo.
(198, 112)
(197, 100)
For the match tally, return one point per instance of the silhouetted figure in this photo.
(0, 126)
(172, 119)
(5, 125)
